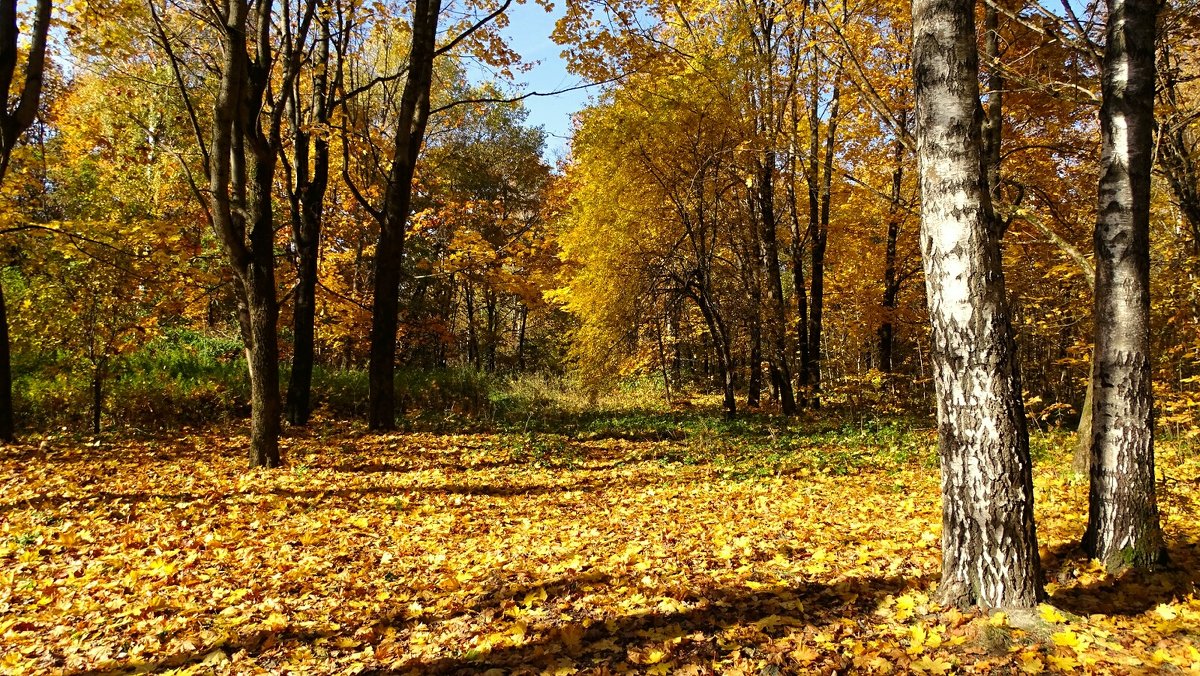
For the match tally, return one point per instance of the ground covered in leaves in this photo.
(781, 551)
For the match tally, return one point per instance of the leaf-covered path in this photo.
(530, 553)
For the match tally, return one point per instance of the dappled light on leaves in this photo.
(541, 553)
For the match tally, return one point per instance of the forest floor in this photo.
(622, 546)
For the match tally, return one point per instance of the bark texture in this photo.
(989, 543)
(17, 112)
(413, 115)
(1123, 526)
(307, 184)
(242, 151)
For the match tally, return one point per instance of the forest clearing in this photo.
(601, 336)
(730, 549)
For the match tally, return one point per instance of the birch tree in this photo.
(989, 542)
(1123, 528)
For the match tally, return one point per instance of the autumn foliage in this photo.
(728, 551)
(665, 405)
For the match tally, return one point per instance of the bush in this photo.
(182, 378)
(191, 378)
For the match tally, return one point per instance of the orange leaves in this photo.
(421, 551)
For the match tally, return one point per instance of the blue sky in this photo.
(529, 32)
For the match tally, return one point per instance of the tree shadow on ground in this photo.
(691, 634)
(1128, 594)
(585, 484)
(711, 611)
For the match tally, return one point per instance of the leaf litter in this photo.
(484, 553)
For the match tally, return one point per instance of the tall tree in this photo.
(242, 148)
(412, 119)
(989, 542)
(770, 80)
(309, 110)
(1123, 528)
(17, 112)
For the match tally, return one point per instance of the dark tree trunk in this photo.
(993, 122)
(524, 316)
(799, 241)
(1178, 158)
(17, 112)
(676, 348)
(97, 397)
(721, 346)
(413, 115)
(385, 322)
(7, 430)
(798, 282)
(989, 542)
(820, 182)
(1123, 526)
(492, 334)
(307, 194)
(472, 331)
(777, 308)
(263, 364)
(240, 162)
(304, 312)
(891, 279)
(754, 382)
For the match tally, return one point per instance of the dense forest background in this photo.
(736, 214)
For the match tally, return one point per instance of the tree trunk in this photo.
(307, 193)
(17, 112)
(820, 182)
(798, 282)
(1178, 160)
(1081, 463)
(523, 313)
(7, 430)
(412, 116)
(993, 121)
(1123, 527)
(384, 324)
(754, 382)
(721, 346)
(891, 283)
(97, 397)
(776, 305)
(304, 313)
(263, 363)
(492, 335)
(989, 542)
(472, 332)
(241, 166)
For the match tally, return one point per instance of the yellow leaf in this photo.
(917, 640)
(931, 665)
(1063, 663)
(533, 597)
(1051, 614)
(275, 621)
(1067, 639)
(1032, 664)
(805, 654)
